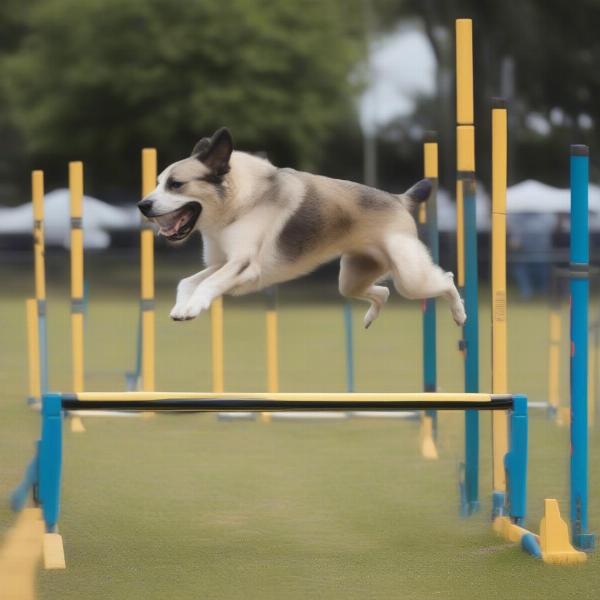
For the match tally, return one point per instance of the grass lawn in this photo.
(185, 506)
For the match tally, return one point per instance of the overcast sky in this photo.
(403, 65)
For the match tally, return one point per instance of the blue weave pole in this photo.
(349, 347)
(50, 459)
(20, 495)
(132, 377)
(471, 347)
(579, 287)
(515, 461)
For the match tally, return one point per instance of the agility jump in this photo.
(46, 474)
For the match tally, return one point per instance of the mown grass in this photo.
(189, 507)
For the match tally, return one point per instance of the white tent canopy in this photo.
(534, 196)
(528, 196)
(98, 219)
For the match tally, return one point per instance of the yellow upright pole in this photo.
(428, 418)
(271, 347)
(147, 277)
(37, 188)
(33, 351)
(37, 199)
(499, 306)
(216, 323)
(77, 293)
(555, 334)
(465, 131)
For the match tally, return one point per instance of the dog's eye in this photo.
(175, 185)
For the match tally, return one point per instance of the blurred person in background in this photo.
(530, 251)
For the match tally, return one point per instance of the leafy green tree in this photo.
(98, 80)
(539, 54)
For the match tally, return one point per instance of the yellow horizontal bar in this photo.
(288, 396)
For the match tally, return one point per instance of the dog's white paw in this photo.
(458, 313)
(195, 306)
(376, 307)
(178, 313)
(371, 315)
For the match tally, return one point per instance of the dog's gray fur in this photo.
(262, 225)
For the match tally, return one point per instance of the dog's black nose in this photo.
(145, 206)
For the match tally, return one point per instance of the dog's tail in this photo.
(418, 193)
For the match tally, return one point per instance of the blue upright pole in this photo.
(132, 377)
(349, 347)
(50, 459)
(515, 461)
(471, 346)
(579, 287)
(429, 356)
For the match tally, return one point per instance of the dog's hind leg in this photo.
(358, 274)
(416, 277)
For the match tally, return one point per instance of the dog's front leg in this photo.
(185, 290)
(232, 274)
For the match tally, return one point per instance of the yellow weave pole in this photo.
(217, 346)
(271, 348)
(149, 173)
(465, 163)
(37, 194)
(426, 435)
(33, 351)
(77, 292)
(465, 136)
(555, 331)
(499, 305)
(464, 72)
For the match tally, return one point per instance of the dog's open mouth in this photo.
(177, 225)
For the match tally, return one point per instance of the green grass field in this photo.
(181, 506)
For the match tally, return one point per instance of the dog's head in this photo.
(192, 190)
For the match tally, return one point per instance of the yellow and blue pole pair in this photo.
(466, 233)
(428, 221)
(143, 374)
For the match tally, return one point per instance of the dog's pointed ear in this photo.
(200, 148)
(421, 191)
(216, 152)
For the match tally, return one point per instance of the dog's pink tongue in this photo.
(173, 229)
(182, 221)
